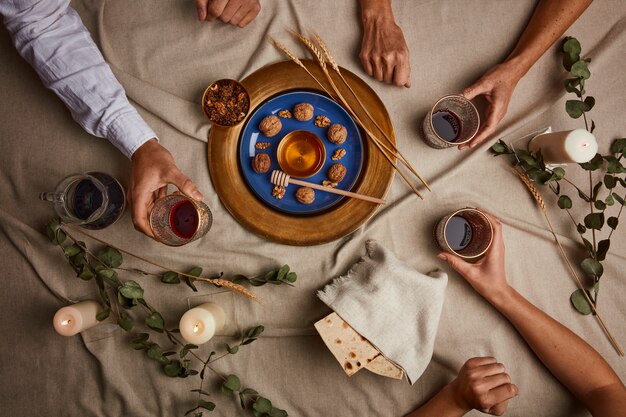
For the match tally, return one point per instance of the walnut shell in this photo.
(336, 172)
(305, 195)
(303, 112)
(261, 163)
(322, 121)
(270, 126)
(337, 133)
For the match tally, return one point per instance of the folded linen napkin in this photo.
(392, 305)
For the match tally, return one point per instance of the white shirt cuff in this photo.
(128, 132)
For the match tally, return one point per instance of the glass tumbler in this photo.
(452, 121)
(176, 219)
(93, 200)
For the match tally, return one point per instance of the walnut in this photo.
(303, 112)
(337, 133)
(338, 154)
(336, 172)
(322, 121)
(270, 126)
(285, 114)
(305, 195)
(262, 145)
(261, 163)
(327, 183)
(278, 192)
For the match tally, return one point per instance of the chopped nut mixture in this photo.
(226, 103)
(322, 121)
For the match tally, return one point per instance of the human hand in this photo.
(484, 385)
(488, 275)
(153, 168)
(497, 86)
(236, 12)
(384, 53)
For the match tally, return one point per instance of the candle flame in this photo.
(66, 322)
(196, 327)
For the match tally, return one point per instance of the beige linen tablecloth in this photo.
(165, 58)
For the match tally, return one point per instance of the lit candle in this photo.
(200, 324)
(75, 318)
(563, 147)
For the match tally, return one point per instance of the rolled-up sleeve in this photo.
(50, 35)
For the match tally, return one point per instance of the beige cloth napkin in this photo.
(392, 305)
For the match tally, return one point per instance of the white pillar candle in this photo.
(200, 324)
(75, 318)
(563, 147)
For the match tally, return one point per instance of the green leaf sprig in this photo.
(129, 304)
(600, 196)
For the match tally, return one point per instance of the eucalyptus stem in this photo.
(619, 213)
(593, 231)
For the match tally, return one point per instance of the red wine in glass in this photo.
(447, 125)
(458, 233)
(184, 219)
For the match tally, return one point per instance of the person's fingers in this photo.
(402, 74)
(367, 63)
(497, 379)
(486, 129)
(162, 192)
(502, 393)
(230, 10)
(185, 185)
(215, 9)
(498, 409)
(476, 89)
(377, 66)
(201, 6)
(140, 206)
(388, 69)
(480, 361)
(252, 14)
(458, 264)
(238, 16)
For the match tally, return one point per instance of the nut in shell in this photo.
(261, 163)
(336, 172)
(337, 133)
(305, 195)
(285, 114)
(278, 192)
(270, 126)
(338, 154)
(303, 112)
(321, 121)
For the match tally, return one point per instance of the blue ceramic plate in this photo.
(260, 183)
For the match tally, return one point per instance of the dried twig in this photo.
(579, 284)
(335, 67)
(215, 281)
(336, 94)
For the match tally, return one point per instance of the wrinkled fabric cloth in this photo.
(50, 35)
(393, 306)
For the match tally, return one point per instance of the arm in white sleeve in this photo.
(51, 37)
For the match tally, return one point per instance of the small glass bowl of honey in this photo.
(301, 154)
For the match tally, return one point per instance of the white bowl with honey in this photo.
(301, 154)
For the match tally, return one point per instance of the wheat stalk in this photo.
(215, 281)
(381, 147)
(533, 190)
(335, 67)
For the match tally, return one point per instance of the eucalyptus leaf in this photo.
(232, 350)
(262, 405)
(170, 278)
(55, 234)
(126, 302)
(594, 221)
(610, 181)
(255, 332)
(612, 222)
(575, 108)
(232, 383)
(593, 126)
(596, 163)
(571, 86)
(139, 341)
(592, 267)
(103, 315)
(282, 272)
(110, 257)
(581, 229)
(155, 352)
(603, 249)
(590, 102)
(277, 412)
(131, 289)
(109, 275)
(498, 148)
(155, 321)
(200, 392)
(600, 205)
(609, 200)
(580, 303)
(72, 250)
(580, 69)
(588, 246)
(618, 146)
(86, 273)
(207, 405)
(614, 166)
(125, 322)
(564, 202)
(291, 277)
(257, 282)
(173, 369)
(583, 196)
(618, 199)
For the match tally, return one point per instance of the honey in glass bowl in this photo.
(301, 154)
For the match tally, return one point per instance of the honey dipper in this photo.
(283, 180)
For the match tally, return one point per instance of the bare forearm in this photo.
(375, 9)
(570, 359)
(441, 405)
(550, 20)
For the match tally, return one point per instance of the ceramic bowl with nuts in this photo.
(226, 103)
